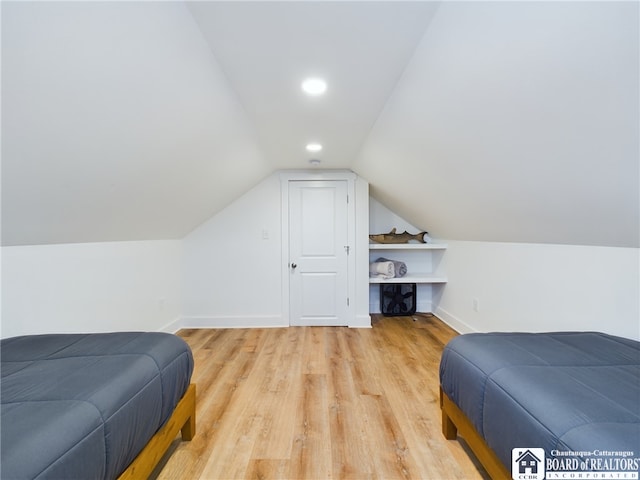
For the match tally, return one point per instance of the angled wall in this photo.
(513, 136)
(516, 122)
(232, 264)
(117, 123)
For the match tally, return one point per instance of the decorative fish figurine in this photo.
(393, 237)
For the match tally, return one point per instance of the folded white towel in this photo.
(400, 267)
(382, 270)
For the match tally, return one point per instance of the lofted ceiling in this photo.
(266, 49)
(497, 121)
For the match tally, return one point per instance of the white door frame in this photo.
(313, 175)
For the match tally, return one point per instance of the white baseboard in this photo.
(361, 321)
(276, 321)
(172, 327)
(240, 321)
(454, 322)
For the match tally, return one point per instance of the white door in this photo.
(318, 253)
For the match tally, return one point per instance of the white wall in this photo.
(232, 273)
(92, 287)
(363, 319)
(382, 220)
(527, 287)
(226, 273)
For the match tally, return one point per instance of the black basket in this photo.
(397, 299)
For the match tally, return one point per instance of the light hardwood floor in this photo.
(320, 403)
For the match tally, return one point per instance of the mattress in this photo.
(84, 405)
(569, 391)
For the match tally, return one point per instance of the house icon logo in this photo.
(527, 464)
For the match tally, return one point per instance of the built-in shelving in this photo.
(410, 249)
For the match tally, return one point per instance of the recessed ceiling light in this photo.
(314, 147)
(314, 86)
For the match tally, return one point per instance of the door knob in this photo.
(293, 265)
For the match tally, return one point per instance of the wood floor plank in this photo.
(314, 354)
(392, 457)
(276, 431)
(358, 344)
(311, 453)
(320, 403)
(268, 469)
(349, 440)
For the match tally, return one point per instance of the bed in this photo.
(575, 392)
(99, 406)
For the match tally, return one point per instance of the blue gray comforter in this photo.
(573, 391)
(83, 406)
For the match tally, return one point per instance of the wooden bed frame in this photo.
(454, 421)
(183, 419)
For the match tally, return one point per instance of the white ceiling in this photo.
(517, 122)
(499, 121)
(266, 50)
(117, 124)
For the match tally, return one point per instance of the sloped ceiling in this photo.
(501, 121)
(117, 124)
(267, 49)
(516, 122)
